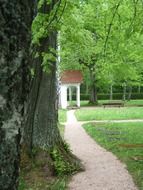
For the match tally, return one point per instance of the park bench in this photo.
(113, 104)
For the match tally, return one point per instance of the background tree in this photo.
(104, 37)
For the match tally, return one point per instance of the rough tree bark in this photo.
(15, 22)
(41, 121)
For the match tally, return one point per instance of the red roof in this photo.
(71, 76)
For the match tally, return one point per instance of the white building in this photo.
(68, 80)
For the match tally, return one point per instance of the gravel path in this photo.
(103, 171)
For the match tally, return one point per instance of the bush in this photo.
(116, 96)
(103, 96)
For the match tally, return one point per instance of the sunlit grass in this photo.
(85, 103)
(62, 115)
(125, 140)
(109, 113)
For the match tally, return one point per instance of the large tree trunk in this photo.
(41, 124)
(15, 24)
(41, 121)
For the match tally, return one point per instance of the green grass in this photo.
(84, 103)
(109, 113)
(134, 102)
(62, 119)
(60, 184)
(62, 115)
(125, 140)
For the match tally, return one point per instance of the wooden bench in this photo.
(113, 104)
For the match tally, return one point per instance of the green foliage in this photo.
(104, 37)
(67, 147)
(105, 96)
(60, 184)
(48, 59)
(22, 184)
(61, 165)
(125, 141)
(32, 72)
(46, 24)
(41, 3)
(39, 28)
(46, 20)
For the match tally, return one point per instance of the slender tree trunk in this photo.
(130, 93)
(139, 89)
(124, 92)
(87, 88)
(111, 92)
(93, 88)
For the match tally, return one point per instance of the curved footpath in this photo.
(103, 171)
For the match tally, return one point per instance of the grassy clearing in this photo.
(134, 102)
(127, 103)
(125, 140)
(110, 113)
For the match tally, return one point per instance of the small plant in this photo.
(62, 167)
(22, 184)
(67, 147)
(60, 184)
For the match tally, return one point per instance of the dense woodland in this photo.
(102, 38)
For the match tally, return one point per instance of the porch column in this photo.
(63, 97)
(70, 94)
(78, 96)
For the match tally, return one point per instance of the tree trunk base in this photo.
(93, 103)
(47, 164)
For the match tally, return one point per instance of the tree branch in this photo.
(110, 26)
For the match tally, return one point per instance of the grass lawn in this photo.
(85, 103)
(109, 113)
(127, 103)
(62, 119)
(125, 140)
(62, 115)
(134, 102)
